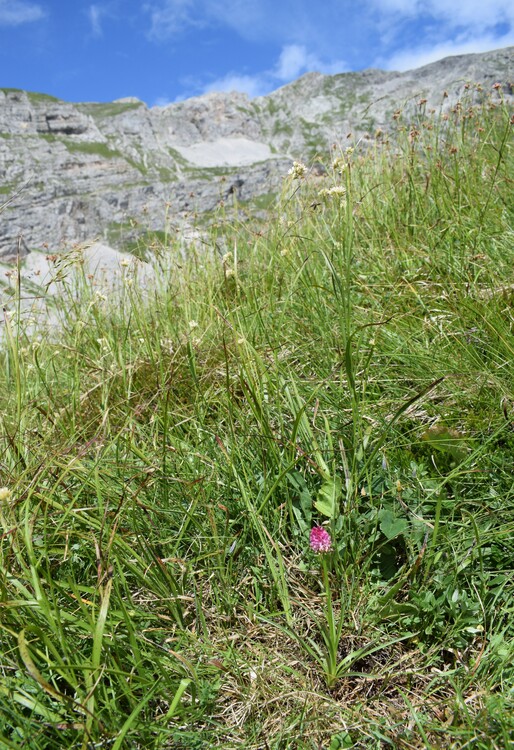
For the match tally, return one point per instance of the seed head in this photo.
(298, 170)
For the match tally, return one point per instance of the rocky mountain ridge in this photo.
(70, 173)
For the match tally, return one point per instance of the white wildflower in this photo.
(298, 170)
(5, 494)
(339, 190)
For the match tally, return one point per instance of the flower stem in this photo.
(332, 637)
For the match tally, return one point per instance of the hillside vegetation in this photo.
(346, 363)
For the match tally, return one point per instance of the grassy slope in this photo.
(349, 363)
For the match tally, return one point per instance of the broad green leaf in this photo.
(300, 486)
(390, 525)
(329, 495)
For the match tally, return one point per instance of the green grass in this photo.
(33, 96)
(134, 239)
(165, 458)
(92, 147)
(103, 110)
(100, 149)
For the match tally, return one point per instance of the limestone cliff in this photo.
(75, 172)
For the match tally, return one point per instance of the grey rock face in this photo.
(70, 173)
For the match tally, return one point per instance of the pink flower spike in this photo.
(320, 539)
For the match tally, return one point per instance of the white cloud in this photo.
(168, 18)
(256, 85)
(443, 29)
(241, 15)
(162, 101)
(470, 13)
(408, 59)
(286, 21)
(16, 12)
(294, 60)
(315, 25)
(95, 13)
(171, 18)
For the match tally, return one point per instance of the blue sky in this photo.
(165, 50)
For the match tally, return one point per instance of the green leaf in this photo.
(303, 525)
(340, 741)
(328, 497)
(390, 525)
(302, 503)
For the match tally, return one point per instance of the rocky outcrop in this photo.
(70, 173)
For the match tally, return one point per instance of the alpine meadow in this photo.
(268, 500)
